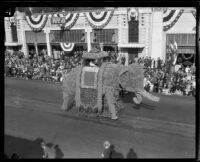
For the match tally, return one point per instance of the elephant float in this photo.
(97, 89)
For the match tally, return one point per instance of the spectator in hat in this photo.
(131, 154)
(15, 156)
(107, 150)
(49, 152)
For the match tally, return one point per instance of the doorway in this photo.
(31, 50)
(132, 54)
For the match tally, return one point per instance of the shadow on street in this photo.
(26, 149)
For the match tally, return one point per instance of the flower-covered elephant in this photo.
(114, 79)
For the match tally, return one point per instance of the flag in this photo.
(83, 37)
(175, 46)
(175, 53)
(113, 37)
(171, 46)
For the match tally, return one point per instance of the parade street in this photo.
(153, 130)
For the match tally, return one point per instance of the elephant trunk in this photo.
(149, 96)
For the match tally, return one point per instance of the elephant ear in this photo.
(124, 77)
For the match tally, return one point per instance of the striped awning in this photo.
(32, 37)
(131, 45)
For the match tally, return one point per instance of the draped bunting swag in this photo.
(99, 19)
(187, 58)
(36, 23)
(194, 14)
(170, 17)
(67, 47)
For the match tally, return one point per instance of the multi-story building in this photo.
(133, 32)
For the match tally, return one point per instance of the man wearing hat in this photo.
(49, 152)
(107, 150)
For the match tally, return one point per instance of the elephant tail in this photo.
(149, 96)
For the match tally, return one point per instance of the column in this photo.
(36, 48)
(127, 57)
(88, 31)
(22, 34)
(7, 30)
(101, 46)
(47, 31)
(164, 47)
(157, 34)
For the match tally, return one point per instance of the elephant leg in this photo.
(109, 94)
(67, 101)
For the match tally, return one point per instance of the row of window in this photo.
(14, 32)
(100, 36)
(181, 39)
(133, 26)
(78, 36)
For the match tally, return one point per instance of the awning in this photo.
(189, 50)
(109, 44)
(131, 45)
(184, 50)
(12, 44)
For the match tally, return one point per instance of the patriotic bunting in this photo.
(188, 57)
(69, 20)
(194, 14)
(99, 19)
(36, 23)
(170, 17)
(67, 47)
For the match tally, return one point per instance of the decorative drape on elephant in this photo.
(91, 89)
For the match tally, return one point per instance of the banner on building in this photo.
(66, 21)
(36, 23)
(67, 47)
(170, 17)
(99, 19)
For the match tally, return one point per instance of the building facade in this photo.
(133, 32)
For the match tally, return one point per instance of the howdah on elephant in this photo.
(96, 89)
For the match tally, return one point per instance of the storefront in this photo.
(131, 51)
(106, 28)
(185, 47)
(67, 41)
(36, 42)
(105, 39)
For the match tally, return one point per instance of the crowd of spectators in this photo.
(158, 77)
(40, 67)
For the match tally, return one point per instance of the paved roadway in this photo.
(153, 130)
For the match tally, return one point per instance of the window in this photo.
(32, 37)
(133, 31)
(105, 35)
(181, 39)
(66, 36)
(14, 32)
